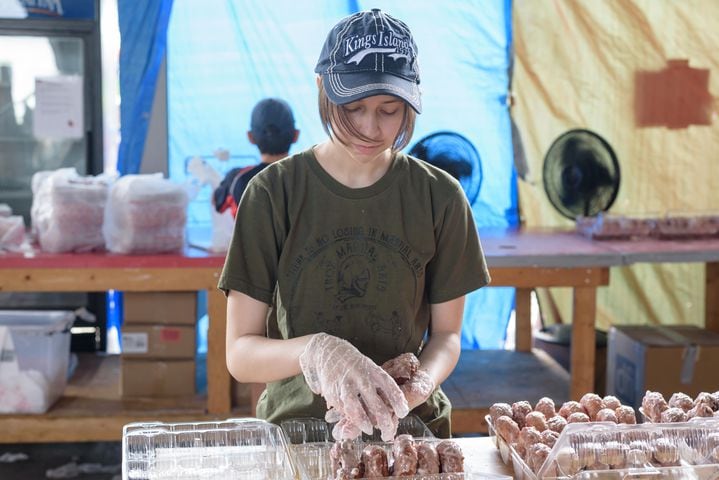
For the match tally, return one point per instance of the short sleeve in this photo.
(458, 266)
(253, 255)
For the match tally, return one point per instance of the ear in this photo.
(297, 135)
(318, 79)
(251, 138)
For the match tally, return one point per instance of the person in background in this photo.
(363, 255)
(272, 129)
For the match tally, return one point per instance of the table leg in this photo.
(711, 292)
(523, 320)
(218, 377)
(583, 341)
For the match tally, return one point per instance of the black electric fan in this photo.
(581, 174)
(454, 154)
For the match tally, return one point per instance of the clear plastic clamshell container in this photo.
(304, 430)
(610, 451)
(241, 449)
(311, 442)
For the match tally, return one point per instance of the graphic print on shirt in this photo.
(355, 276)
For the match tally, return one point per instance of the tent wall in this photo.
(602, 66)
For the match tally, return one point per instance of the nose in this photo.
(370, 126)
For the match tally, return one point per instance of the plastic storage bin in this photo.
(34, 357)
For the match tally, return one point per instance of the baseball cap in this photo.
(370, 53)
(273, 125)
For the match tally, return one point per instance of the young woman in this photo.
(351, 254)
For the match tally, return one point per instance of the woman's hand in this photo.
(418, 388)
(415, 383)
(354, 387)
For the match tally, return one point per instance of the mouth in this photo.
(365, 149)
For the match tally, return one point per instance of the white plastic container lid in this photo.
(38, 322)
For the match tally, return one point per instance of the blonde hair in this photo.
(334, 117)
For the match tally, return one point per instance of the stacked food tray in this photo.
(234, 449)
(672, 226)
(409, 456)
(614, 451)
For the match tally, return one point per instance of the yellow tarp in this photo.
(581, 64)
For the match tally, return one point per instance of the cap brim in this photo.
(350, 87)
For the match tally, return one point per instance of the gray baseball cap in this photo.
(370, 53)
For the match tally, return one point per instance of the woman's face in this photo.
(378, 118)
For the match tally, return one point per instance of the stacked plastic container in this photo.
(610, 451)
(310, 442)
(68, 209)
(234, 449)
(145, 214)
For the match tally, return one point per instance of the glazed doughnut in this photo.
(427, 459)
(507, 429)
(557, 423)
(592, 403)
(546, 406)
(536, 420)
(374, 459)
(519, 411)
(451, 458)
(499, 409)
(681, 400)
(625, 414)
(569, 408)
(405, 456)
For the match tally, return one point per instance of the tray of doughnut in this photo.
(606, 226)
(686, 226)
(670, 226)
(583, 440)
(414, 454)
(680, 407)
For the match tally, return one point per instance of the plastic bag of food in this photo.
(145, 214)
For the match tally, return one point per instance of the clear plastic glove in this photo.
(357, 389)
(345, 429)
(416, 384)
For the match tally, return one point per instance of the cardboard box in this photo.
(157, 378)
(168, 308)
(158, 341)
(663, 359)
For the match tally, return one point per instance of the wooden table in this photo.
(481, 456)
(550, 258)
(706, 251)
(91, 408)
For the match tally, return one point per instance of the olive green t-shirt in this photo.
(363, 264)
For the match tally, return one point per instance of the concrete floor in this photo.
(84, 461)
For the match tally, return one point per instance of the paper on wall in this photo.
(59, 107)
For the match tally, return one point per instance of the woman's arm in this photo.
(441, 353)
(252, 357)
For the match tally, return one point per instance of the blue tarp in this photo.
(143, 29)
(223, 56)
